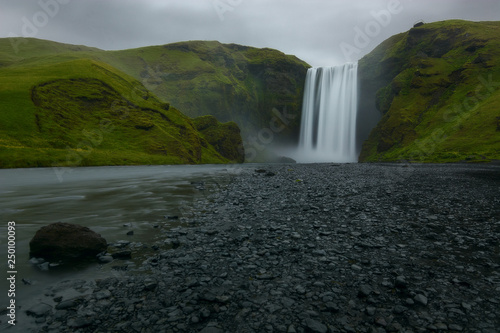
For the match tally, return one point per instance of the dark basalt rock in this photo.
(64, 241)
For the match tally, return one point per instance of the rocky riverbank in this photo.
(313, 248)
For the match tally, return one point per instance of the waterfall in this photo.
(328, 126)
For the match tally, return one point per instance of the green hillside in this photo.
(61, 106)
(48, 87)
(437, 87)
(229, 81)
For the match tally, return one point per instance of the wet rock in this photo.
(122, 255)
(315, 326)
(346, 249)
(39, 310)
(455, 327)
(401, 282)
(420, 299)
(79, 322)
(103, 294)
(364, 291)
(211, 329)
(398, 309)
(71, 303)
(105, 259)
(64, 241)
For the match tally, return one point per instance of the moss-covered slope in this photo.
(231, 82)
(437, 87)
(61, 107)
(225, 138)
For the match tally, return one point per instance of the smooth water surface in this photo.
(109, 200)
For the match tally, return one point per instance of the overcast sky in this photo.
(321, 32)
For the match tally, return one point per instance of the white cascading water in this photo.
(328, 126)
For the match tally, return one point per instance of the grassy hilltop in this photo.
(437, 87)
(69, 105)
(76, 105)
(229, 81)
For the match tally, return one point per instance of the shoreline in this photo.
(231, 165)
(314, 248)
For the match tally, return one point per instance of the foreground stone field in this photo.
(313, 248)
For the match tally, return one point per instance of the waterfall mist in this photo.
(329, 111)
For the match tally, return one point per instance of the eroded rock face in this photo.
(63, 241)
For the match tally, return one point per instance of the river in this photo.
(112, 201)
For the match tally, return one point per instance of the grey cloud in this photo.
(314, 30)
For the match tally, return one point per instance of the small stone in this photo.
(287, 302)
(300, 290)
(103, 294)
(400, 282)
(78, 322)
(370, 310)
(398, 309)
(356, 267)
(320, 253)
(315, 326)
(44, 267)
(130, 233)
(332, 307)
(421, 299)
(364, 291)
(211, 329)
(105, 259)
(381, 322)
(466, 306)
(455, 327)
(36, 261)
(441, 326)
(150, 284)
(39, 310)
(122, 255)
(71, 303)
(409, 301)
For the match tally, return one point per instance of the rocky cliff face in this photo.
(247, 85)
(435, 88)
(225, 138)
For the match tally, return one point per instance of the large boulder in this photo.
(64, 241)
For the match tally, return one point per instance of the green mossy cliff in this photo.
(232, 82)
(53, 95)
(61, 107)
(437, 88)
(225, 138)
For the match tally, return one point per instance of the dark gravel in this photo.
(313, 248)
